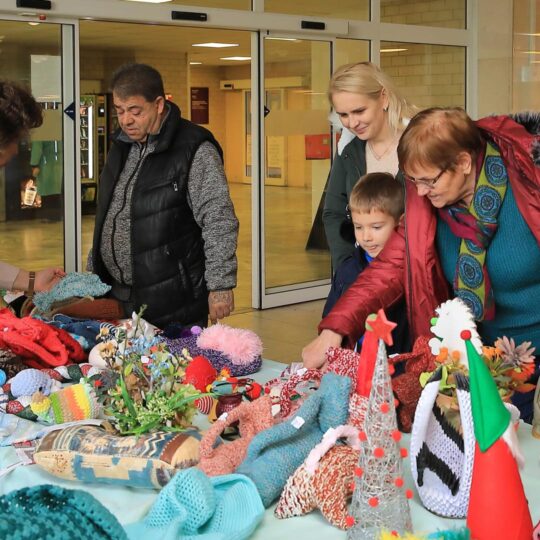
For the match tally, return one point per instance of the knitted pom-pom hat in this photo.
(192, 506)
(53, 513)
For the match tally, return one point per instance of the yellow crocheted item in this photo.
(40, 404)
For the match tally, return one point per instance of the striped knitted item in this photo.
(276, 453)
(441, 455)
(76, 402)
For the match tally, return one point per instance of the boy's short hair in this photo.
(380, 192)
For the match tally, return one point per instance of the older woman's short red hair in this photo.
(435, 137)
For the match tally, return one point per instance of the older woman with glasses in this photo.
(471, 229)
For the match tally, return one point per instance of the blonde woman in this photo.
(373, 115)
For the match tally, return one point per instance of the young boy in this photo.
(376, 205)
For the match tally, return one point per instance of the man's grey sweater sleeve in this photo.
(214, 212)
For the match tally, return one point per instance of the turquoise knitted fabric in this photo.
(193, 506)
(78, 284)
(513, 263)
(274, 454)
(50, 512)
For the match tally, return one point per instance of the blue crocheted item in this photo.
(193, 506)
(78, 284)
(274, 454)
(28, 381)
(53, 513)
(85, 331)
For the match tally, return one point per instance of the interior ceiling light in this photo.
(33, 23)
(215, 45)
(282, 39)
(392, 50)
(150, 1)
(236, 58)
(195, 63)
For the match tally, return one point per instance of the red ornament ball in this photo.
(465, 334)
(385, 408)
(362, 436)
(352, 486)
(349, 520)
(396, 435)
(398, 482)
(358, 471)
(403, 452)
(373, 502)
(378, 452)
(409, 494)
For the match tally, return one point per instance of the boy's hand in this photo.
(314, 354)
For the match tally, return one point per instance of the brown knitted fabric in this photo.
(89, 308)
(406, 386)
(11, 363)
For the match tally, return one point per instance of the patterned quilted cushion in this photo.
(90, 454)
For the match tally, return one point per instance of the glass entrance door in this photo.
(297, 158)
(33, 184)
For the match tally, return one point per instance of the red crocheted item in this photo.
(406, 386)
(38, 343)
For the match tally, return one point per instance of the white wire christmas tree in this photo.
(380, 499)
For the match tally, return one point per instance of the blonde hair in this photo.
(378, 192)
(436, 136)
(369, 80)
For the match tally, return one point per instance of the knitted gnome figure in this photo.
(497, 504)
(379, 500)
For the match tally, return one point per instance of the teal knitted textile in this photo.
(50, 512)
(193, 506)
(274, 454)
(78, 284)
(513, 264)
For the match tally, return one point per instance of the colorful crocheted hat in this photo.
(53, 513)
(236, 349)
(192, 506)
(76, 402)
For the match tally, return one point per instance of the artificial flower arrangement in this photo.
(144, 390)
(510, 365)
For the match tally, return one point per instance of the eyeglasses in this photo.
(426, 182)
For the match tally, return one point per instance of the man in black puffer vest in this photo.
(165, 232)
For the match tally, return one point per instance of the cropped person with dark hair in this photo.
(166, 232)
(19, 113)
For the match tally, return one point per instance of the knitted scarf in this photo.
(476, 226)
